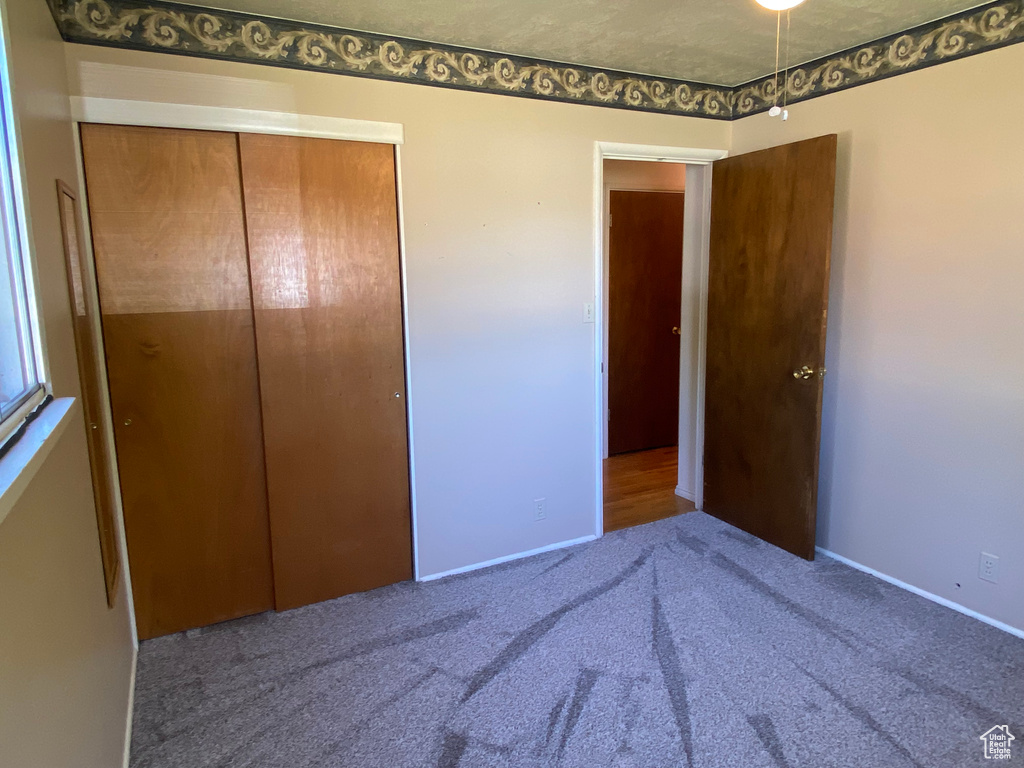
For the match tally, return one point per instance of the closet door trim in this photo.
(152, 114)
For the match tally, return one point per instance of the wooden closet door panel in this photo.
(169, 241)
(324, 259)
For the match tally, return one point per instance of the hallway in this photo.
(640, 488)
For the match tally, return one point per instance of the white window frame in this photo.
(17, 233)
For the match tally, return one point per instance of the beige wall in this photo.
(923, 446)
(65, 658)
(498, 198)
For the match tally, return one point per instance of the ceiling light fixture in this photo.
(779, 5)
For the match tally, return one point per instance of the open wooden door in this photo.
(771, 237)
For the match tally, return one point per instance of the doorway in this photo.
(651, 369)
(755, 279)
(644, 227)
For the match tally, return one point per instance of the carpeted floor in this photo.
(683, 642)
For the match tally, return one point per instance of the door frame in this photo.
(91, 109)
(695, 255)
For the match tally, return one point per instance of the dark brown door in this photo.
(645, 274)
(323, 247)
(169, 240)
(771, 238)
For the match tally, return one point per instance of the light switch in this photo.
(588, 312)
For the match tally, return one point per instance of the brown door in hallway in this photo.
(323, 246)
(645, 273)
(169, 241)
(771, 236)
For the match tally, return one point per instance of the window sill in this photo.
(19, 466)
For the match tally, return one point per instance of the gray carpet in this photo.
(680, 643)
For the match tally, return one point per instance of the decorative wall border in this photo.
(964, 34)
(189, 30)
(158, 25)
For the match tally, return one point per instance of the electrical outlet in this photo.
(989, 568)
(540, 511)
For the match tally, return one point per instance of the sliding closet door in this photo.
(323, 250)
(169, 240)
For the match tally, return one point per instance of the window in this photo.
(19, 373)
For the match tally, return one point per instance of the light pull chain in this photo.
(785, 80)
(778, 35)
(776, 110)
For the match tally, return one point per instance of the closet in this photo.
(250, 299)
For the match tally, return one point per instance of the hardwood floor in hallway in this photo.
(640, 488)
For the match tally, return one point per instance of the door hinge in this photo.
(609, 221)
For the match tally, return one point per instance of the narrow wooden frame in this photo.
(83, 317)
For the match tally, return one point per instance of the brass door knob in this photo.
(804, 372)
(676, 331)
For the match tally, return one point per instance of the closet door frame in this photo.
(227, 119)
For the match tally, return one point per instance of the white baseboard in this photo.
(922, 593)
(131, 707)
(686, 493)
(506, 558)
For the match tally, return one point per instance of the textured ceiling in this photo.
(726, 42)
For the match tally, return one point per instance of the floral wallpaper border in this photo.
(974, 31)
(194, 31)
(189, 30)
